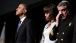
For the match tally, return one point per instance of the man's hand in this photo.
(57, 19)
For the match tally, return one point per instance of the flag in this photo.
(2, 37)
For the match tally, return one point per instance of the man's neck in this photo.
(21, 16)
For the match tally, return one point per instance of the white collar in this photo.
(23, 19)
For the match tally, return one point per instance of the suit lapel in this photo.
(24, 22)
(65, 23)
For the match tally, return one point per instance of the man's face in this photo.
(20, 9)
(64, 12)
(47, 16)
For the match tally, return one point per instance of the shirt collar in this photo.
(23, 19)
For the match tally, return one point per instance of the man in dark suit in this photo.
(25, 32)
(64, 30)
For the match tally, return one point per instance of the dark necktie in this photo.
(19, 24)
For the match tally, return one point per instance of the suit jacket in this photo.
(26, 33)
(65, 32)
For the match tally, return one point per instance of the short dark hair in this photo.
(51, 9)
(25, 5)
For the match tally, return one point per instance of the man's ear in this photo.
(24, 11)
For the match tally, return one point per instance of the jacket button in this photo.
(56, 39)
(62, 32)
(62, 39)
(57, 33)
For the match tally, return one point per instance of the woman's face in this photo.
(47, 16)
